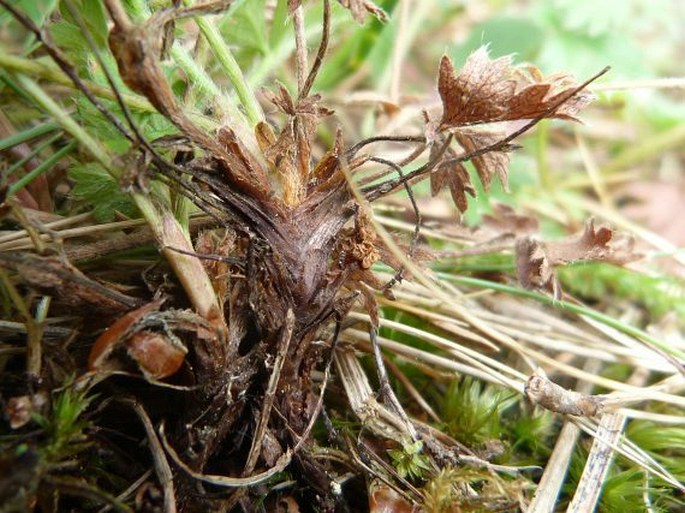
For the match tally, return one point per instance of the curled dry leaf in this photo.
(360, 8)
(453, 175)
(489, 164)
(157, 355)
(536, 260)
(488, 91)
(502, 96)
(384, 499)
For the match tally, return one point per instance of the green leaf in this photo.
(99, 126)
(36, 10)
(351, 55)
(93, 16)
(279, 23)
(409, 461)
(94, 186)
(245, 27)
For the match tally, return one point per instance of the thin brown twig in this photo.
(320, 53)
(417, 221)
(353, 150)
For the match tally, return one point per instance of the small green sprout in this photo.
(409, 461)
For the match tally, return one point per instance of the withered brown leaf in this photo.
(489, 164)
(505, 221)
(290, 154)
(487, 91)
(537, 260)
(454, 176)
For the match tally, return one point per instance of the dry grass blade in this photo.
(598, 463)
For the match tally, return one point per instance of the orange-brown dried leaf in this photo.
(492, 90)
(117, 332)
(233, 146)
(384, 499)
(329, 163)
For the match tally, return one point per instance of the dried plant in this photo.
(288, 259)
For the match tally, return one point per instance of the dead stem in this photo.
(162, 468)
(300, 47)
(320, 53)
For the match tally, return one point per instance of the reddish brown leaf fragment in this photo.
(234, 146)
(327, 165)
(478, 93)
(384, 499)
(488, 91)
(118, 331)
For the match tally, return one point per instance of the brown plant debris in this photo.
(489, 91)
(503, 97)
(293, 252)
(358, 8)
(537, 260)
(543, 392)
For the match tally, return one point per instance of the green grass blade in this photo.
(42, 168)
(27, 135)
